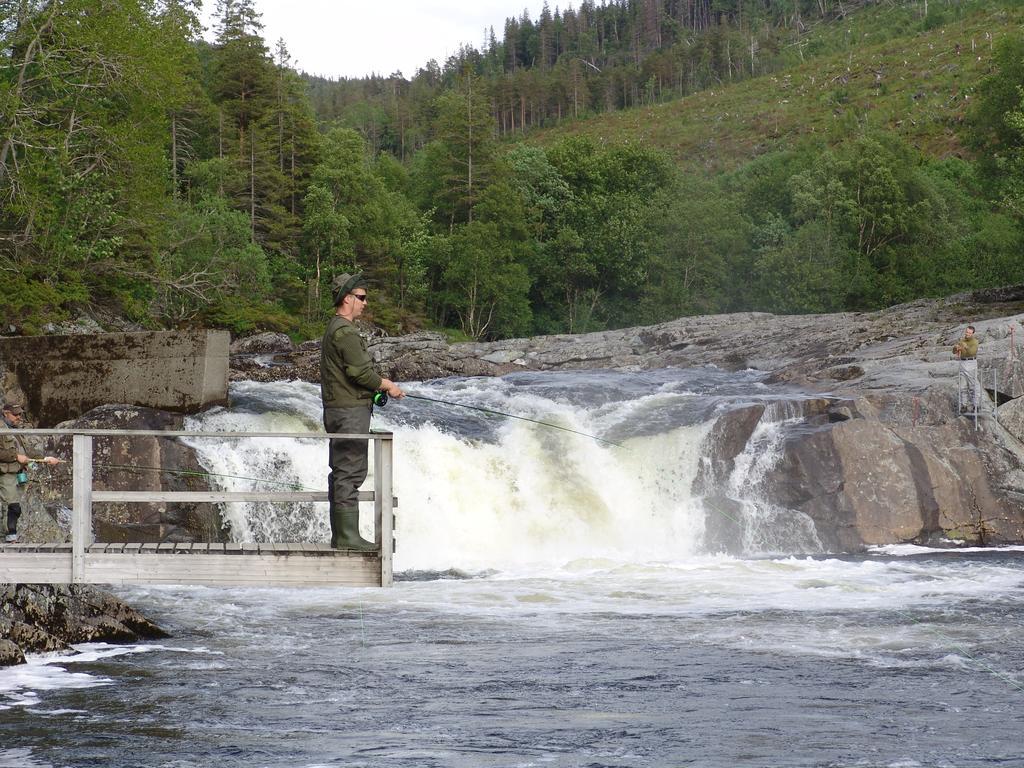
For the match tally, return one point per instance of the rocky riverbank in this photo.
(37, 618)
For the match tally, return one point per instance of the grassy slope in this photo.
(913, 82)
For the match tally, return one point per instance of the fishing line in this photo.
(1005, 678)
(195, 473)
(380, 399)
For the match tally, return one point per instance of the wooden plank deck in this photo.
(291, 564)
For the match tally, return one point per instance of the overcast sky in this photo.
(352, 38)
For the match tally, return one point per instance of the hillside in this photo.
(792, 156)
(917, 84)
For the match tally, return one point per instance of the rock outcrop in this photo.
(905, 347)
(38, 618)
(864, 475)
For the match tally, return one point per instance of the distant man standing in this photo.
(966, 350)
(12, 468)
(348, 382)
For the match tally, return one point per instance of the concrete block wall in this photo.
(62, 377)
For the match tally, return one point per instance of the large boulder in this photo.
(136, 463)
(1011, 417)
(880, 469)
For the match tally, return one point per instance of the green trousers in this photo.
(11, 496)
(349, 459)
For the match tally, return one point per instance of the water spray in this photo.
(380, 399)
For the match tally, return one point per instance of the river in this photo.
(553, 606)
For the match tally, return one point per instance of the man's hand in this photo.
(392, 389)
(51, 460)
(22, 458)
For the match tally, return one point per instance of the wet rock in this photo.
(10, 652)
(262, 344)
(727, 439)
(37, 618)
(1011, 417)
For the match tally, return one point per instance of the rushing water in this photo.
(553, 608)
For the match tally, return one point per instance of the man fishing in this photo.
(348, 382)
(13, 461)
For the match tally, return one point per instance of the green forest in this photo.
(607, 165)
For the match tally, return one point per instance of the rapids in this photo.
(553, 606)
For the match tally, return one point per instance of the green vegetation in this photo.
(617, 164)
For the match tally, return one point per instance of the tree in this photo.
(83, 170)
(464, 136)
(695, 232)
(601, 250)
(992, 130)
(243, 90)
(488, 287)
(325, 237)
(211, 264)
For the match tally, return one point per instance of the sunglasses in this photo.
(360, 296)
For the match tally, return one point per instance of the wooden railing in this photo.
(84, 494)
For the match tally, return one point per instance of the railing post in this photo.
(995, 394)
(384, 520)
(81, 512)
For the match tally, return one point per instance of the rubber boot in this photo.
(345, 531)
(13, 513)
(335, 516)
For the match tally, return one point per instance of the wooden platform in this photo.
(84, 561)
(289, 564)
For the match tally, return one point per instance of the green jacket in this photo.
(347, 377)
(9, 450)
(968, 348)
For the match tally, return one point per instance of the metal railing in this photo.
(84, 495)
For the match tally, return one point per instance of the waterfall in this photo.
(477, 492)
(767, 527)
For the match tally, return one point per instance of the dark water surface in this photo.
(882, 661)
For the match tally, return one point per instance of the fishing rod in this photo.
(380, 399)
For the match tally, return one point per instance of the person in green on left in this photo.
(13, 461)
(348, 382)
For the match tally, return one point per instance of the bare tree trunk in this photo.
(252, 184)
(293, 175)
(469, 185)
(174, 155)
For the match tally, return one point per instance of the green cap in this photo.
(342, 285)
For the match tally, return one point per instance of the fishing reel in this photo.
(380, 398)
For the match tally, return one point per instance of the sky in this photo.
(354, 38)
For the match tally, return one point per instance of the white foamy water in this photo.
(768, 527)
(522, 495)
